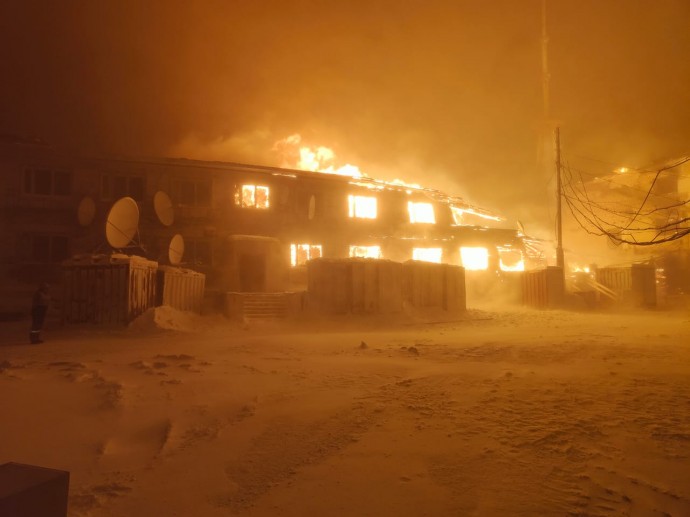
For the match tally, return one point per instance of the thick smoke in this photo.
(446, 94)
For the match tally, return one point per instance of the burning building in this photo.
(247, 228)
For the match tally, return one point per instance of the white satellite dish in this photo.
(163, 207)
(86, 211)
(312, 207)
(176, 249)
(122, 222)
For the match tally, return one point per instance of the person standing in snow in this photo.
(39, 308)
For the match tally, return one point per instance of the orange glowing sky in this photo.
(447, 94)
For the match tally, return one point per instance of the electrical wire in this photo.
(626, 225)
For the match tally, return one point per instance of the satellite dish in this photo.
(176, 249)
(86, 211)
(163, 207)
(312, 207)
(121, 224)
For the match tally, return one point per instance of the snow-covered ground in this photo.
(504, 412)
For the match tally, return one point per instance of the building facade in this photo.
(248, 228)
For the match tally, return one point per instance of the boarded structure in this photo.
(634, 285)
(618, 279)
(360, 286)
(434, 286)
(180, 288)
(107, 289)
(368, 286)
(543, 288)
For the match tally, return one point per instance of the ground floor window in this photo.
(44, 248)
(511, 259)
(365, 251)
(198, 252)
(300, 253)
(474, 258)
(427, 254)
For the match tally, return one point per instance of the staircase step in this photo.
(265, 306)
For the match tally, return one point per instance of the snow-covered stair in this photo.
(264, 306)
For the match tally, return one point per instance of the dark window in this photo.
(203, 193)
(62, 183)
(44, 248)
(45, 182)
(59, 249)
(117, 186)
(198, 251)
(202, 253)
(136, 188)
(105, 187)
(120, 187)
(185, 193)
(40, 248)
(192, 193)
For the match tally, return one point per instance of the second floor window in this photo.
(191, 193)
(46, 182)
(421, 212)
(116, 186)
(252, 196)
(198, 252)
(363, 207)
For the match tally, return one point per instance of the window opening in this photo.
(421, 212)
(363, 207)
(427, 254)
(365, 251)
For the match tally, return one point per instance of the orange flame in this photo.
(315, 159)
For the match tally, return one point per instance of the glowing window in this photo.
(363, 207)
(365, 251)
(300, 253)
(474, 258)
(252, 196)
(421, 212)
(427, 254)
(510, 259)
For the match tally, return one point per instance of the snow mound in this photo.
(166, 318)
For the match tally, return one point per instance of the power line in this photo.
(630, 226)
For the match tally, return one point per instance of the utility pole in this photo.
(560, 262)
(544, 63)
(545, 132)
